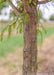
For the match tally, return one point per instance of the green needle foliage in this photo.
(21, 19)
(3, 4)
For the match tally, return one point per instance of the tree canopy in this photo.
(18, 14)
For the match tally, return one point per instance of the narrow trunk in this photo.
(30, 40)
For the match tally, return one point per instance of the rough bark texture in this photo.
(30, 40)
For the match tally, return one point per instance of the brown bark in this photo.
(30, 40)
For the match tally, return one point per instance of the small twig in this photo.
(43, 2)
(12, 5)
(13, 22)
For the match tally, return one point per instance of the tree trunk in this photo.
(30, 40)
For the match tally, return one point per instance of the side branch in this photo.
(43, 2)
(12, 5)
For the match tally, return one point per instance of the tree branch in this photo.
(13, 22)
(12, 5)
(43, 2)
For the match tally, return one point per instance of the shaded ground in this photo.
(47, 52)
(12, 64)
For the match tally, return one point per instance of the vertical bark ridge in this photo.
(30, 40)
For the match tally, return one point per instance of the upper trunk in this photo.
(30, 40)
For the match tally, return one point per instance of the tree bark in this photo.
(30, 40)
